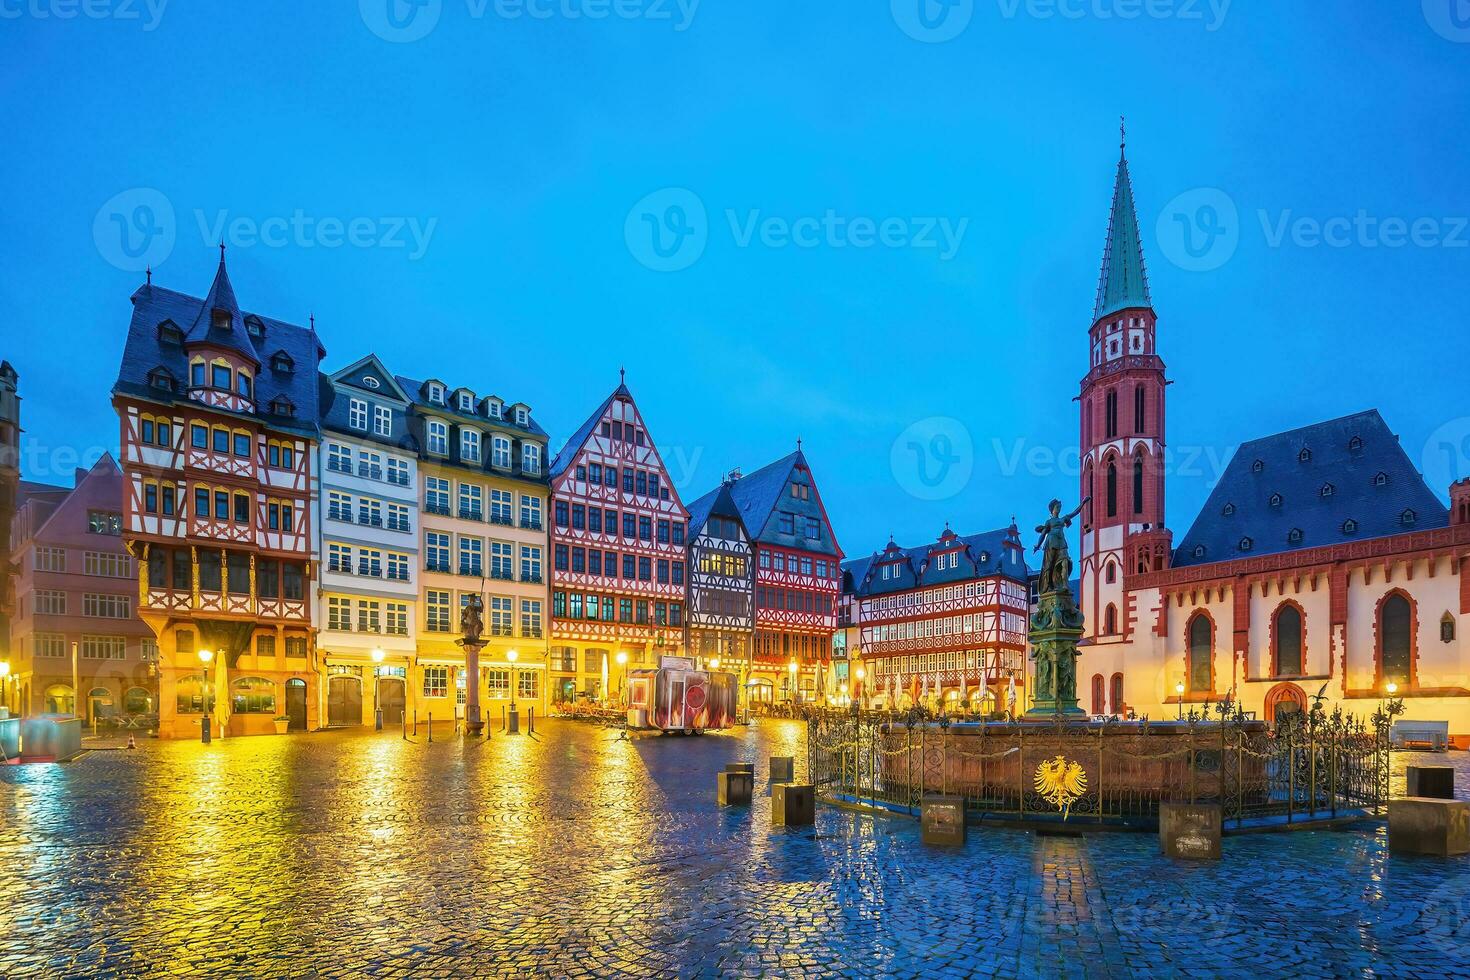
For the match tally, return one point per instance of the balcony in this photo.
(398, 575)
(497, 629)
(502, 574)
(376, 571)
(398, 479)
(436, 566)
(441, 510)
(339, 465)
(345, 567)
(398, 525)
(370, 520)
(534, 632)
(339, 514)
(533, 578)
(466, 569)
(397, 631)
(471, 514)
(370, 472)
(501, 520)
(531, 525)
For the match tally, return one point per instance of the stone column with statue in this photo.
(472, 625)
(1057, 624)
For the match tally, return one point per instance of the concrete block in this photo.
(734, 788)
(1190, 830)
(942, 820)
(1437, 782)
(783, 769)
(793, 805)
(1420, 825)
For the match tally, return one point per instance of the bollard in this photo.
(415, 721)
(531, 719)
(733, 788)
(1437, 782)
(431, 726)
(942, 820)
(514, 725)
(378, 720)
(783, 769)
(204, 732)
(793, 805)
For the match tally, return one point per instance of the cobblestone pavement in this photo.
(576, 855)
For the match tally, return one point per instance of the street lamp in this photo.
(377, 656)
(205, 656)
(862, 689)
(1179, 690)
(513, 724)
(791, 667)
(1392, 688)
(622, 659)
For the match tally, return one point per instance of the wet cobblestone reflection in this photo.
(580, 855)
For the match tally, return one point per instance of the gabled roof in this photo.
(1124, 280)
(986, 554)
(717, 501)
(143, 352)
(1274, 486)
(758, 494)
(579, 438)
(370, 367)
(221, 299)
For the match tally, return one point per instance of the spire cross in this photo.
(1122, 134)
(221, 249)
(622, 375)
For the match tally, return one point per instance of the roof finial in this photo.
(312, 317)
(149, 273)
(798, 443)
(622, 375)
(1122, 136)
(222, 251)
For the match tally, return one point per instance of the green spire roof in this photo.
(1124, 281)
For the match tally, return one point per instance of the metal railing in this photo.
(1308, 766)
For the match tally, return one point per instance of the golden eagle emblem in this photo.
(1061, 783)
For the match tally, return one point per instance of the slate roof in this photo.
(577, 439)
(717, 501)
(1245, 517)
(418, 395)
(144, 352)
(985, 556)
(230, 333)
(1124, 279)
(757, 495)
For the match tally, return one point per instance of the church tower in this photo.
(1122, 443)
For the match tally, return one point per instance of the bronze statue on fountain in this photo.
(1057, 623)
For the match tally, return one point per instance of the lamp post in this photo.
(205, 656)
(513, 725)
(1179, 690)
(5, 685)
(862, 689)
(377, 656)
(622, 659)
(791, 669)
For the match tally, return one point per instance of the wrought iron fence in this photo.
(1308, 766)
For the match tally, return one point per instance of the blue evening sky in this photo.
(931, 379)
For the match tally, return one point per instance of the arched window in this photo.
(1112, 413)
(1447, 629)
(1201, 634)
(1287, 634)
(1087, 491)
(1099, 707)
(252, 696)
(1112, 488)
(1110, 620)
(137, 701)
(1116, 698)
(60, 700)
(1138, 397)
(1396, 639)
(1110, 574)
(1138, 482)
(192, 697)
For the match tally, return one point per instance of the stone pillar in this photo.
(1055, 630)
(474, 724)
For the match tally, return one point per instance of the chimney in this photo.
(1460, 501)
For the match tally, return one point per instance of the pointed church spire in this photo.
(1124, 279)
(219, 320)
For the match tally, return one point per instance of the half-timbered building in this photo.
(618, 539)
(797, 578)
(944, 621)
(217, 409)
(721, 615)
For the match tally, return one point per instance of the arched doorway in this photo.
(1283, 699)
(100, 706)
(296, 705)
(344, 701)
(60, 700)
(392, 698)
(1099, 706)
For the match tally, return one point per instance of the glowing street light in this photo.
(205, 656)
(1392, 687)
(861, 689)
(1179, 690)
(377, 655)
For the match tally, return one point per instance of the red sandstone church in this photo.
(1321, 561)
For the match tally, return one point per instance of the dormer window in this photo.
(1258, 466)
(984, 558)
(254, 327)
(1355, 444)
(436, 394)
(1304, 456)
(1199, 551)
(522, 416)
(196, 374)
(1408, 517)
(220, 319)
(466, 402)
(492, 408)
(282, 363)
(1275, 500)
(1328, 490)
(1229, 510)
(220, 376)
(161, 378)
(1245, 544)
(1381, 480)
(1294, 536)
(281, 405)
(1349, 526)
(169, 333)
(243, 384)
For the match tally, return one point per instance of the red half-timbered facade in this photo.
(943, 621)
(618, 543)
(797, 579)
(217, 413)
